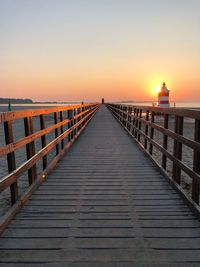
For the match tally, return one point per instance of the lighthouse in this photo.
(163, 97)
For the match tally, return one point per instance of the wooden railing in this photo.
(143, 122)
(68, 123)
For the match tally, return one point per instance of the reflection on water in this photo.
(4, 107)
(178, 104)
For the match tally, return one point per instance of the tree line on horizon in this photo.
(15, 100)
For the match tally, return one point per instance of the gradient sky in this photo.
(71, 50)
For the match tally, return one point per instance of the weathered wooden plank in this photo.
(101, 255)
(111, 224)
(98, 264)
(41, 243)
(20, 114)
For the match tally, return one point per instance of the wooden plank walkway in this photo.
(105, 204)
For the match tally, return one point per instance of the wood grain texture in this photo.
(104, 205)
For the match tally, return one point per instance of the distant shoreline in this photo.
(6, 101)
(15, 101)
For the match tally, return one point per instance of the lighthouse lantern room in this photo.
(163, 97)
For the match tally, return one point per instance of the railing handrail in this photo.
(133, 117)
(4, 150)
(20, 114)
(185, 141)
(76, 119)
(183, 112)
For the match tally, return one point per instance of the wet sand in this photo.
(187, 153)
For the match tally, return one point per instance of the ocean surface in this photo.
(4, 107)
(177, 104)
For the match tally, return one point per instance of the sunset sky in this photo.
(73, 50)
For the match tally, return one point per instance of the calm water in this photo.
(178, 104)
(4, 107)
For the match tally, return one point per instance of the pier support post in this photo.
(165, 141)
(8, 129)
(43, 140)
(196, 164)
(30, 148)
(178, 128)
(152, 132)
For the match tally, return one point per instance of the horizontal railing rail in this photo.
(67, 124)
(141, 123)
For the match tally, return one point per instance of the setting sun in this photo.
(154, 84)
(156, 90)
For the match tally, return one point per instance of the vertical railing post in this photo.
(118, 111)
(129, 118)
(136, 123)
(125, 116)
(146, 129)
(178, 128)
(70, 123)
(82, 116)
(82, 109)
(74, 122)
(152, 132)
(139, 123)
(62, 130)
(165, 141)
(133, 122)
(86, 108)
(121, 113)
(196, 164)
(78, 119)
(56, 131)
(8, 129)
(43, 140)
(30, 148)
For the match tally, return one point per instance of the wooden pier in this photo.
(106, 203)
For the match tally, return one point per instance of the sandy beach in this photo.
(187, 153)
(20, 157)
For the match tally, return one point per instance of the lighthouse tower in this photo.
(163, 97)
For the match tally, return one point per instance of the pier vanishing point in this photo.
(96, 195)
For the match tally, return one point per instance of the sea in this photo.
(4, 107)
(177, 104)
(173, 104)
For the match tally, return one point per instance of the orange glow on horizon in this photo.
(87, 86)
(153, 86)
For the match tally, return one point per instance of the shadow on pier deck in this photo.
(105, 204)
